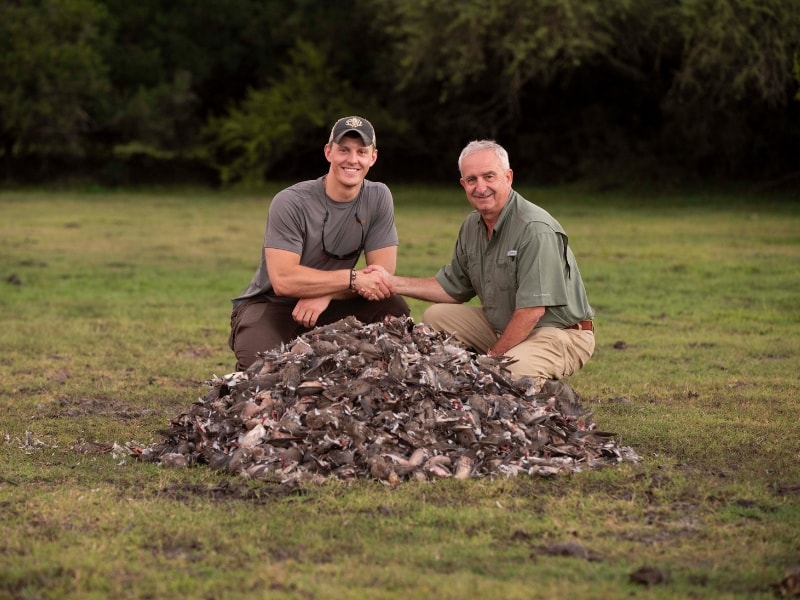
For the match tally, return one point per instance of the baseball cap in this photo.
(357, 124)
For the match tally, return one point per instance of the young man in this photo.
(315, 233)
(515, 257)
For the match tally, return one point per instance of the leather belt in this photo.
(582, 325)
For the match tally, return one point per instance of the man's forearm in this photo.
(522, 323)
(427, 288)
(305, 282)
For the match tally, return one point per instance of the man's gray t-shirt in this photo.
(295, 223)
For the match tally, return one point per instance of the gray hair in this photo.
(478, 145)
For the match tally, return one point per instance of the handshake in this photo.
(374, 283)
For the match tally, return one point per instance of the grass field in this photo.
(114, 312)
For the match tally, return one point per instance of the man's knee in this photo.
(243, 359)
(258, 327)
(434, 314)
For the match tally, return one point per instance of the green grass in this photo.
(114, 309)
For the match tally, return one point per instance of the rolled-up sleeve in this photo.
(541, 271)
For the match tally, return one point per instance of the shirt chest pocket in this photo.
(473, 271)
(505, 273)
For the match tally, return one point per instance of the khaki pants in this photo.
(547, 353)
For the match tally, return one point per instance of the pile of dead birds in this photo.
(394, 401)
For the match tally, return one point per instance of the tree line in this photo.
(245, 90)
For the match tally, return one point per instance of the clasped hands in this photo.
(374, 283)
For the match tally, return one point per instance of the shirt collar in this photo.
(504, 214)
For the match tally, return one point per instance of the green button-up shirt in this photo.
(526, 263)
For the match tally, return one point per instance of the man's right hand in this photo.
(374, 283)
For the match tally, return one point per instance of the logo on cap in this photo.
(354, 122)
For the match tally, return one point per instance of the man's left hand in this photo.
(307, 310)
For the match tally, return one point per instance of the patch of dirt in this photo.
(196, 352)
(231, 490)
(787, 489)
(570, 549)
(116, 407)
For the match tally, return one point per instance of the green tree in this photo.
(245, 143)
(480, 54)
(698, 82)
(173, 63)
(52, 76)
(178, 66)
(570, 86)
(735, 76)
(797, 74)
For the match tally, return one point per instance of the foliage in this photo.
(159, 120)
(683, 79)
(52, 75)
(499, 46)
(574, 89)
(736, 61)
(174, 63)
(743, 52)
(797, 74)
(250, 139)
(247, 141)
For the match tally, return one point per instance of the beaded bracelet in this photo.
(353, 279)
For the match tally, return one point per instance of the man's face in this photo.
(350, 160)
(486, 182)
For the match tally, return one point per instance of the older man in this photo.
(515, 257)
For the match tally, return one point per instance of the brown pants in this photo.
(259, 325)
(547, 353)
